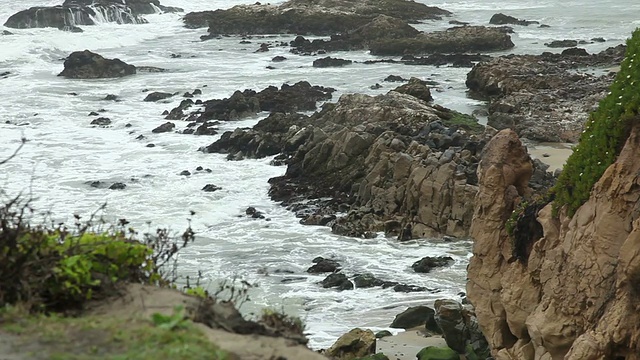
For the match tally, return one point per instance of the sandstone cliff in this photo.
(573, 294)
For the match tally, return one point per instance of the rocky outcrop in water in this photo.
(318, 17)
(458, 39)
(89, 65)
(543, 97)
(502, 19)
(572, 294)
(86, 12)
(300, 96)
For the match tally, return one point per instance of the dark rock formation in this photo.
(300, 96)
(117, 186)
(416, 88)
(166, 127)
(323, 265)
(427, 263)
(318, 17)
(83, 12)
(157, 96)
(101, 121)
(89, 65)
(562, 43)
(502, 19)
(543, 97)
(337, 280)
(330, 62)
(211, 188)
(454, 40)
(413, 317)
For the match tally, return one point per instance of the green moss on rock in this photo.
(437, 353)
(604, 134)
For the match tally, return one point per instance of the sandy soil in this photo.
(406, 345)
(553, 154)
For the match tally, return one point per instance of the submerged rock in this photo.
(502, 19)
(89, 65)
(427, 263)
(83, 12)
(330, 62)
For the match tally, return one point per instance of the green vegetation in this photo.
(437, 353)
(464, 121)
(105, 337)
(604, 135)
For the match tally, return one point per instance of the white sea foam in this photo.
(64, 151)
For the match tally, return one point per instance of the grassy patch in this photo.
(104, 337)
(604, 135)
(465, 122)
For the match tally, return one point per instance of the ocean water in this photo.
(64, 152)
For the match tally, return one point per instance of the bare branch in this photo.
(22, 141)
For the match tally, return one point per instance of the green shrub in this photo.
(604, 134)
(53, 268)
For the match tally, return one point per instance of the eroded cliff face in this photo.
(576, 295)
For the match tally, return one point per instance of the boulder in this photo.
(85, 12)
(454, 40)
(323, 265)
(427, 263)
(413, 317)
(354, 344)
(417, 88)
(157, 96)
(323, 17)
(502, 19)
(437, 353)
(337, 280)
(449, 317)
(166, 127)
(101, 121)
(562, 43)
(89, 65)
(330, 62)
(211, 188)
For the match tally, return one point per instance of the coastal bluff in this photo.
(574, 296)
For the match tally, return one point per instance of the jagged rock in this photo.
(454, 40)
(559, 94)
(456, 60)
(330, 62)
(417, 88)
(356, 343)
(323, 265)
(413, 317)
(157, 96)
(395, 78)
(89, 65)
(166, 127)
(101, 121)
(325, 17)
(300, 96)
(362, 281)
(427, 263)
(254, 213)
(562, 43)
(502, 19)
(337, 280)
(116, 186)
(80, 12)
(382, 27)
(211, 188)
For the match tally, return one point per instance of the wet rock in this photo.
(211, 188)
(307, 17)
(254, 213)
(71, 28)
(111, 97)
(93, 113)
(405, 288)
(177, 113)
(150, 145)
(6, 32)
(575, 52)
(454, 40)
(185, 173)
(559, 93)
(117, 186)
(428, 263)
(413, 317)
(383, 333)
(395, 78)
(366, 281)
(101, 121)
(157, 96)
(455, 60)
(89, 65)
(562, 43)
(502, 19)
(330, 62)
(417, 88)
(354, 344)
(320, 220)
(82, 12)
(337, 280)
(323, 265)
(166, 127)
(437, 353)
(278, 58)
(150, 69)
